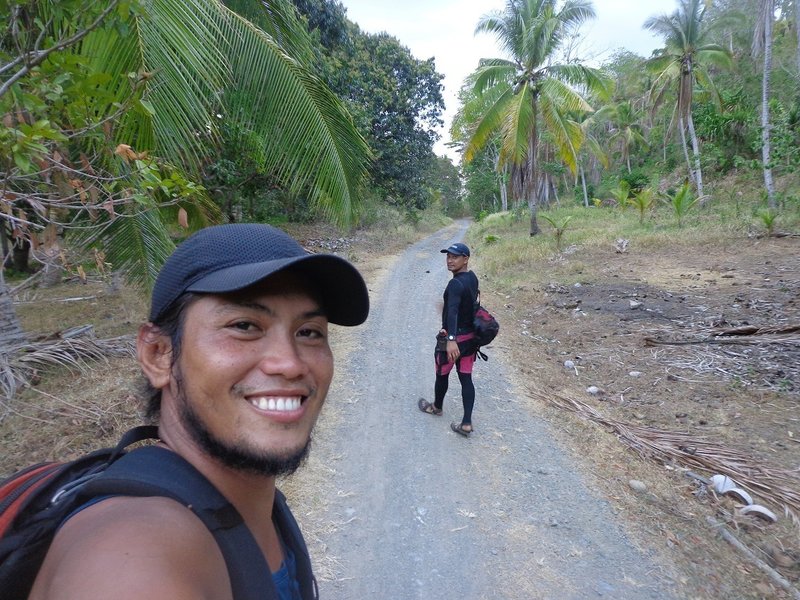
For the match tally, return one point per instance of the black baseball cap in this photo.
(457, 248)
(229, 258)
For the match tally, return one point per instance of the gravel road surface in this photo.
(412, 510)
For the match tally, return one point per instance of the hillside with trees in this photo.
(718, 104)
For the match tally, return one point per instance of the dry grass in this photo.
(707, 403)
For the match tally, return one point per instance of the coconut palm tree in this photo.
(683, 63)
(533, 93)
(593, 148)
(625, 130)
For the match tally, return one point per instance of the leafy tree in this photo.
(684, 62)
(629, 79)
(327, 19)
(397, 103)
(445, 183)
(533, 91)
(112, 110)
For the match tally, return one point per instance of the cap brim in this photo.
(342, 290)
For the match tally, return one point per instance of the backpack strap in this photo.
(293, 538)
(156, 471)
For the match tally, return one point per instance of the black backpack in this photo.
(484, 324)
(34, 502)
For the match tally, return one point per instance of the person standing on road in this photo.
(454, 347)
(237, 357)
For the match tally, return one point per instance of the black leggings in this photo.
(467, 394)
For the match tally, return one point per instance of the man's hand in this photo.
(452, 351)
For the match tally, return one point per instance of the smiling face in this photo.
(251, 378)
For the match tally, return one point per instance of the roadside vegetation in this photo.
(126, 125)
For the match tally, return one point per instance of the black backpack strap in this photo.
(156, 471)
(292, 536)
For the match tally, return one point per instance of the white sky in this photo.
(445, 30)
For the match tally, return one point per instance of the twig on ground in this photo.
(773, 575)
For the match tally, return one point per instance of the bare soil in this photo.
(694, 352)
(678, 393)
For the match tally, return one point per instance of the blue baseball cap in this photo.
(232, 257)
(458, 248)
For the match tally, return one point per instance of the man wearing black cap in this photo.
(454, 347)
(237, 357)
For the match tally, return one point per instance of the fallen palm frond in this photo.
(761, 337)
(22, 364)
(684, 450)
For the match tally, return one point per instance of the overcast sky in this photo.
(445, 30)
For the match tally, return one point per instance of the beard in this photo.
(238, 457)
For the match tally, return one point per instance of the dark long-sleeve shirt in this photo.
(459, 303)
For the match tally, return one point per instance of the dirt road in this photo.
(401, 507)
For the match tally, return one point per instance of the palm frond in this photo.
(488, 123)
(22, 363)
(307, 138)
(567, 134)
(137, 245)
(177, 72)
(518, 126)
(491, 73)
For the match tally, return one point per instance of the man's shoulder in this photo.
(467, 279)
(132, 547)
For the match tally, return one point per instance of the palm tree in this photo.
(531, 91)
(625, 130)
(594, 147)
(684, 63)
(762, 43)
(172, 75)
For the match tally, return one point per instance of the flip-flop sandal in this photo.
(459, 429)
(428, 408)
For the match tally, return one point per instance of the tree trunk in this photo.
(583, 184)
(504, 189)
(20, 253)
(502, 179)
(534, 227)
(11, 333)
(696, 152)
(530, 182)
(765, 124)
(685, 147)
(555, 192)
(797, 33)
(543, 192)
